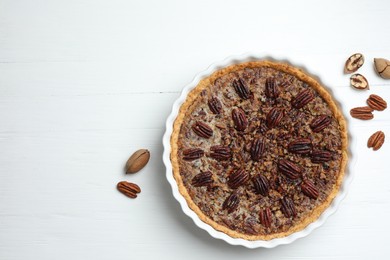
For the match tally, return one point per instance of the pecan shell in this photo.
(220, 153)
(202, 179)
(202, 130)
(363, 113)
(289, 169)
(265, 216)
(318, 156)
(376, 102)
(358, 81)
(238, 178)
(231, 203)
(320, 123)
(271, 89)
(257, 149)
(239, 119)
(241, 88)
(261, 184)
(300, 146)
(309, 189)
(376, 140)
(354, 62)
(302, 99)
(192, 154)
(129, 189)
(215, 105)
(288, 207)
(274, 116)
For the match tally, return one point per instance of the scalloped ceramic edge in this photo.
(217, 234)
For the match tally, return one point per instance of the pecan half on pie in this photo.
(259, 150)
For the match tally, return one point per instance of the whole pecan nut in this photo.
(309, 189)
(261, 184)
(241, 88)
(288, 207)
(238, 178)
(320, 123)
(257, 149)
(289, 169)
(192, 154)
(202, 179)
(319, 156)
(239, 119)
(271, 89)
(231, 203)
(300, 146)
(129, 189)
(274, 117)
(363, 113)
(376, 102)
(265, 216)
(202, 130)
(376, 140)
(220, 153)
(215, 105)
(302, 99)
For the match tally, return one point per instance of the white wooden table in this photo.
(83, 84)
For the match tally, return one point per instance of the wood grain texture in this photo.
(83, 84)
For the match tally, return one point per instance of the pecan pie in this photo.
(259, 150)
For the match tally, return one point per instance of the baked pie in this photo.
(259, 150)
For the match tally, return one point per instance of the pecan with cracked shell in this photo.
(358, 81)
(202, 130)
(354, 62)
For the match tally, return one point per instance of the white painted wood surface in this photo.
(85, 83)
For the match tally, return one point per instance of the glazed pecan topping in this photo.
(271, 89)
(231, 203)
(257, 149)
(263, 127)
(265, 217)
(288, 207)
(309, 189)
(215, 105)
(202, 179)
(261, 184)
(318, 156)
(300, 146)
(289, 169)
(192, 154)
(239, 119)
(302, 99)
(202, 130)
(320, 123)
(274, 116)
(220, 153)
(238, 178)
(241, 88)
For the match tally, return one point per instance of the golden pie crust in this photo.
(188, 106)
